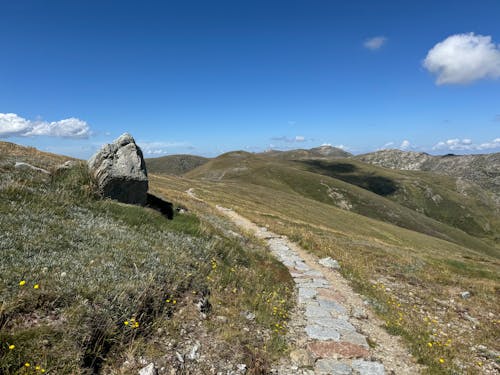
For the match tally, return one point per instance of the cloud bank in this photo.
(161, 148)
(466, 144)
(375, 43)
(297, 138)
(13, 125)
(463, 58)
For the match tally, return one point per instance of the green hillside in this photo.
(174, 164)
(414, 200)
(410, 267)
(95, 286)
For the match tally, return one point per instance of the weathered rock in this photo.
(330, 263)
(120, 171)
(148, 370)
(23, 165)
(331, 366)
(465, 295)
(331, 349)
(301, 357)
(368, 368)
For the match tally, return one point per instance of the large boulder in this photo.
(120, 171)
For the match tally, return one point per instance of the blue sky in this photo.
(205, 77)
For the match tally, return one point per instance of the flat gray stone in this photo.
(340, 325)
(301, 266)
(306, 294)
(322, 333)
(331, 366)
(330, 263)
(355, 338)
(314, 310)
(313, 273)
(368, 368)
(332, 306)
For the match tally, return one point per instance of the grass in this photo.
(412, 280)
(116, 282)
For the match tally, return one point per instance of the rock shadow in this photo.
(160, 205)
(351, 174)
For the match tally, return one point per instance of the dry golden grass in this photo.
(413, 281)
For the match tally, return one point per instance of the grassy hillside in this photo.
(413, 200)
(92, 285)
(412, 280)
(481, 170)
(174, 164)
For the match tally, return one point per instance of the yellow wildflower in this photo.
(429, 344)
(12, 347)
(36, 286)
(441, 360)
(27, 364)
(22, 282)
(174, 302)
(37, 367)
(125, 322)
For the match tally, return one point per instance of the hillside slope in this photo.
(412, 280)
(174, 164)
(413, 200)
(94, 286)
(483, 170)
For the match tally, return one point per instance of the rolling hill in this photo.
(174, 164)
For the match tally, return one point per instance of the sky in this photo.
(207, 77)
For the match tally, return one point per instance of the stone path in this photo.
(327, 329)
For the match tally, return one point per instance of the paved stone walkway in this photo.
(328, 342)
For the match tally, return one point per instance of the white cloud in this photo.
(162, 148)
(466, 144)
(297, 138)
(405, 145)
(464, 58)
(342, 147)
(13, 125)
(375, 43)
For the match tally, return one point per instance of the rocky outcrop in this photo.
(482, 170)
(120, 172)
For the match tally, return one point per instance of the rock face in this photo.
(120, 172)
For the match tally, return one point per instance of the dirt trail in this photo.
(332, 331)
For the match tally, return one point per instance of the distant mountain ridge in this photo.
(316, 152)
(482, 169)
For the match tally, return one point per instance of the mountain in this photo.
(326, 152)
(419, 201)
(483, 170)
(174, 164)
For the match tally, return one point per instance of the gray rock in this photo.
(318, 332)
(331, 366)
(248, 315)
(148, 370)
(301, 357)
(193, 354)
(22, 165)
(465, 295)
(330, 263)
(66, 165)
(368, 368)
(242, 368)
(120, 171)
